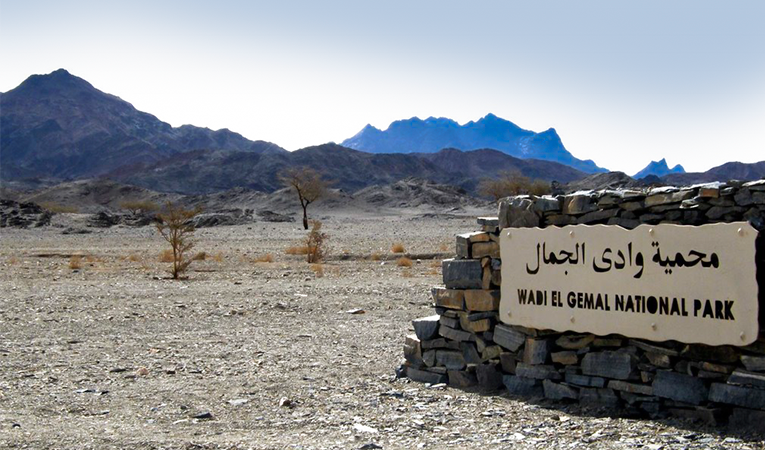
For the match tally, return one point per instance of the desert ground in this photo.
(256, 354)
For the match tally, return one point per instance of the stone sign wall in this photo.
(465, 344)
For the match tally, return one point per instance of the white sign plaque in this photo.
(693, 284)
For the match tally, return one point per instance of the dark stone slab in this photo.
(452, 360)
(574, 342)
(429, 358)
(536, 351)
(585, 381)
(753, 363)
(462, 273)
(451, 322)
(423, 376)
(508, 362)
(539, 372)
(448, 298)
(679, 387)
(523, 387)
(440, 343)
(483, 249)
(653, 348)
(559, 391)
(470, 353)
(482, 300)
(737, 395)
(566, 358)
(617, 365)
(461, 379)
(745, 378)
(725, 354)
(518, 212)
(602, 397)
(659, 360)
(632, 388)
(426, 327)
(413, 351)
(455, 335)
(489, 377)
(508, 337)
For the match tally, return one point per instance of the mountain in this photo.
(433, 134)
(59, 125)
(205, 171)
(658, 168)
(725, 172)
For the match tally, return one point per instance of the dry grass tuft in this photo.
(267, 258)
(134, 258)
(444, 247)
(201, 256)
(404, 262)
(318, 270)
(398, 248)
(218, 257)
(375, 256)
(75, 262)
(407, 273)
(303, 250)
(92, 259)
(166, 256)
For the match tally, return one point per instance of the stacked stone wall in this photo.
(464, 345)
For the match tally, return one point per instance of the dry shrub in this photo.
(133, 257)
(218, 257)
(58, 208)
(139, 205)
(318, 270)
(267, 258)
(398, 248)
(315, 242)
(512, 183)
(375, 256)
(201, 256)
(166, 256)
(175, 226)
(404, 262)
(407, 273)
(296, 250)
(75, 262)
(92, 259)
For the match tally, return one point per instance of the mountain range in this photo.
(659, 169)
(58, 127)
(433, 134)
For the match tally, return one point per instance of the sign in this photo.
(693, 284)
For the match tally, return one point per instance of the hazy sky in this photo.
(621, 82)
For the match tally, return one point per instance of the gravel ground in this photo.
(249, 354)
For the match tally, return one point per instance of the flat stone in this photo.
(663, 199)
(488, 221)
(737, 395)
(413, 351)
(632, 206)
(483, 249)
(518, 212)
(451, 322)
(462, 273)
(628, 224)
(455, 335)
(450, 359)
(536, 351)
(617, 365)
(429, 357)
(474, 326)
(508, 362)
(547, 204)
(448, 298)
(462, 246)
(744, 378)
(645, 346)
(426, 327)
(572, 342)
(491, 352)
(679, 387)
(489, 378)
(607, 342)
(481, 300)
(598, 216)
(508, 337)
(743, 419)
(566, 358)
(523, 387)
(559, 391)
(423, 376)
(576, 204)
(584, 380)
(478, 315)
(461, 379)
(725, 354)
(753, 363)
(719, 368)
(632, 388)
(659, 360)
(538, 372)
(602, 397)
(470, 353)
(439, 343)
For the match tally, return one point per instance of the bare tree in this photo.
(174, 225)
(512, 183)
(308, 184)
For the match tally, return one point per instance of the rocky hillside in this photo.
(59, 125)
(434, 134)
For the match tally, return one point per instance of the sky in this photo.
(623, 83)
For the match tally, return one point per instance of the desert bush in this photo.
(267, 258)
(174, 225)
(407, 273)
(139, 205)
(201, 256)
(512, 183)
(375, 256)
(58, 208)
(316, 243)
(166, 256)
(75, 262)
(398, 248)
(299, 250)
(318, 270)
(218, 257)
(404, 262)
